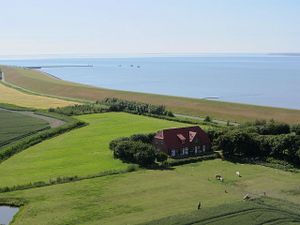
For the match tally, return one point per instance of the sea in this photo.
(258, 79)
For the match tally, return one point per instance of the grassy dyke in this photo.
(42, 83)
(149, 195)
(79, 152)
(12, 96)
(15, 126)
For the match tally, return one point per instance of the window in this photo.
(186, 151)
(173, 153)
(196, 150)
(204, 148)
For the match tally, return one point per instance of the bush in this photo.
(161, 157)
(207, 119)
(296, 129)
(267, 128)
(237, 143)
(137, 148)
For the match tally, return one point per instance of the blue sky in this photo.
(35, 27)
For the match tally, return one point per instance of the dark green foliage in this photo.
(296, 129)
(207, 119)
(81, 109)
(137, 148)
(119, 105)
(134, 152)
(267, 128)
(237, 143)
(145, 138)
(161, 157)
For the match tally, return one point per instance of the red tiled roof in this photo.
(176, 137)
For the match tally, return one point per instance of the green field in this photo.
(14, 126)
(44, 84)
(143, 196)
(80, 152)
(148, 195)
(257, 211)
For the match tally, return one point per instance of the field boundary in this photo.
(19, 145)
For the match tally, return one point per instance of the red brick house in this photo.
(182, 142)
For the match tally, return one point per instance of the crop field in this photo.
(258, 211)
(14, 126)
(80, 152)
(45, 84)
(12, 96)
(148, 195)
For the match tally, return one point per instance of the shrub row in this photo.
(81, 109)
(120, 105)
(66, 179)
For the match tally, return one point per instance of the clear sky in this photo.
(35, 27)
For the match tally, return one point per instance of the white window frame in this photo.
(173, 152)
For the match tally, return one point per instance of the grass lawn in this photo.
(258, 211)
(15, 125)
(38, 82)
(80, 152)
(148, 195)
(12, 96)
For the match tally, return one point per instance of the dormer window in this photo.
(181, 138)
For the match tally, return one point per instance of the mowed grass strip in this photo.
(42, 83)
(256, 212)
(80, 152)
(12, 96)
(147, 195)
(15, 125)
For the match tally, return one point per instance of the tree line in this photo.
(114, 105)
(261, 139)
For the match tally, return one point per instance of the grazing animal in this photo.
(199, 205)
(246, 197)
(218, 177)
(221, 179)
(238, 173)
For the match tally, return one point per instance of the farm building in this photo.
(182, 142)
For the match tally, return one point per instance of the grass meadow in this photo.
(14, 126)
(79, 152)
(147, 195)
(44, 84)
(12, 96)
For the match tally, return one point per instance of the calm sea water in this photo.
(270, 80)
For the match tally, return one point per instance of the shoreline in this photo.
(233, 112)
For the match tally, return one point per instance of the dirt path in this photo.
(53, 122)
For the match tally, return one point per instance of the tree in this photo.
(161, 157)
(207, 119)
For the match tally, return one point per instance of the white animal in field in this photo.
(238, 173)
